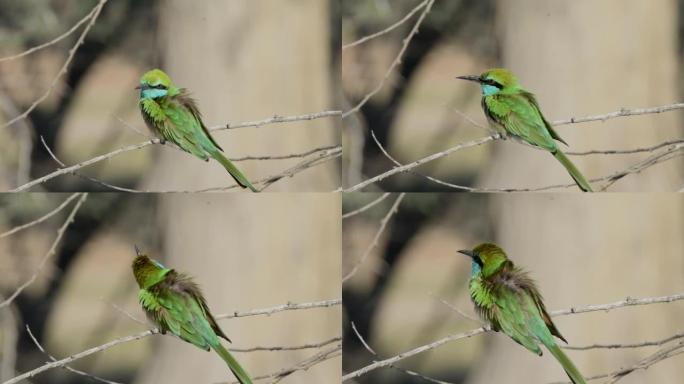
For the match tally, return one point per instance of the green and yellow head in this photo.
(487, 259)
(147, 271)
(156, 84)
(494, 80)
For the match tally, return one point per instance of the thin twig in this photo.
(277, 119)
(656, 357)
(427, 159)
(303, 365)
(386, 30)
(458, 311)
(621, 113)
(363, 341)
(376, 238)
(395, 62)
(281, 308)
(408, 372)
(40, 219)
(48, 254)
(291, 348)
(626, 151)
(71, 169)
(366, 207)
(53, 41)
(307, 363)
(85, 177)
(320, 158)
(68, 368)
(80, 355)
(63, 69)
(653, 343)
(644, 363)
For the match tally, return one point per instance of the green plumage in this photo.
(514, 112)
(173, 115)
(176, 304)
(507, 298)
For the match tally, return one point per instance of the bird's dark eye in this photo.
(158, 86)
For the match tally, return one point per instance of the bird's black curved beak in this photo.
(467, 252)
(138, 87)
(137, 250)
(469, 78)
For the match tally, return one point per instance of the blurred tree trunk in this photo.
(581, 58)
(249, 60)
(584, 58)
(246, 253)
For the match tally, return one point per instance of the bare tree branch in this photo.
(678, 335)
(276, 119)
(63, 69)
(286, 348)
(395, 63)
(366, 207)
(40, 219)
(68, 368)
(281, 308)
(376, 238)
(621, 113)
(53, 41)
(48, 254)
(386, 30)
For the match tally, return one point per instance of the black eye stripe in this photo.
(492, 83)
(478, 260)
(158, 86)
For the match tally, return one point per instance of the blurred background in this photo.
(243, 60)
(580, 58)
(242, 249)
(581, 250)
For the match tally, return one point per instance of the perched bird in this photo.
(507, 298)
(514, 112)
(175, 304)
(173, 115)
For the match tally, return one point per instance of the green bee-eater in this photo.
(514, 112)
(172, 114)
(176, 304)
(507, 298)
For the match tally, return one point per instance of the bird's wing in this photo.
(181, 313)
(184, 127)
(545, 315)
(170, 314)
(533, 101)
(190, 104)
(512, 315)
(523, 120)
(207, 314)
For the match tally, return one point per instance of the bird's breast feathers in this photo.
(152, 110)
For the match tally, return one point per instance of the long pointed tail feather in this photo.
(239, 177)
(572, 371)
(582, 183)
(233, 364)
